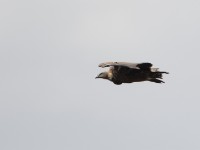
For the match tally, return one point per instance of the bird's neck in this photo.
(110, 75)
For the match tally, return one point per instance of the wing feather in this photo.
(126, 64)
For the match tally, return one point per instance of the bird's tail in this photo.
(156, 76)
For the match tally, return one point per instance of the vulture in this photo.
(124, 72)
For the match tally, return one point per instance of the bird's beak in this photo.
(96, 77)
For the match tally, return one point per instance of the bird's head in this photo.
(103, 75)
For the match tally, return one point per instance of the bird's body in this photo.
(122, 72)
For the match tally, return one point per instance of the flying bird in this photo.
(124, 72)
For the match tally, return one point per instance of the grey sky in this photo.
(49, 53)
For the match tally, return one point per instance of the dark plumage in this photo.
(123, 72)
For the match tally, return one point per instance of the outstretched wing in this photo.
(143, 66)
(122, 64)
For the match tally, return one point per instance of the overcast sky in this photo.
(49, 56)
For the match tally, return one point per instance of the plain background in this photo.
(49, 56)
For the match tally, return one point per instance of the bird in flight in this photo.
(124, 72)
